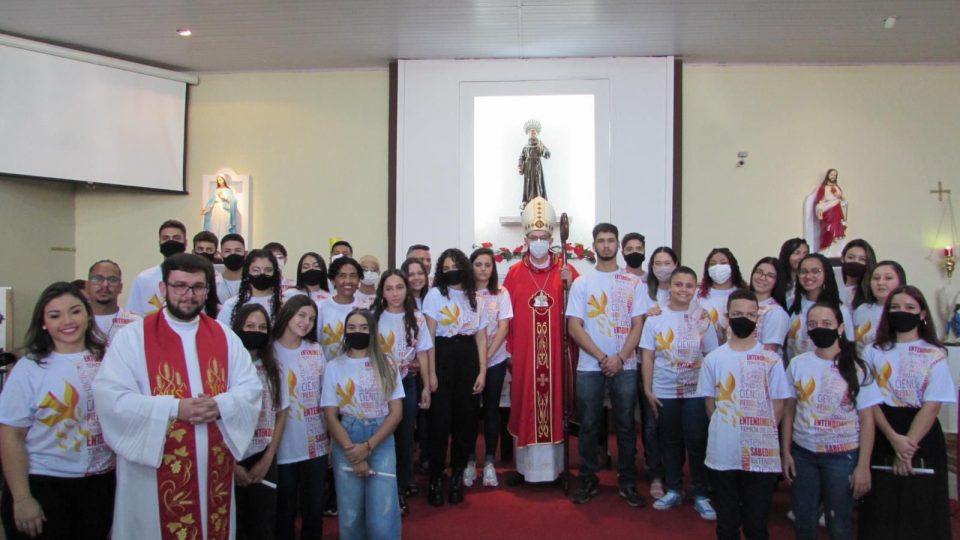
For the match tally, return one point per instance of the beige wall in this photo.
(35, 216)
(891, 131)
(314, 143)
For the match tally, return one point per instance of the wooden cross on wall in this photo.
(940, 191)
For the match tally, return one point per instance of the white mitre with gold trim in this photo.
(538, 215)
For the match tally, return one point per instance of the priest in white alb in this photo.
(178, 400)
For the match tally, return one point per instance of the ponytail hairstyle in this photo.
(409, 305)
(265, 353)
(652, 282)
(736, 278)
(779, 292)
(289, 309)
(383, 365)
(244, 293)
(859, 293)
(830, 293)
(847, 361)
(868, 296)
(463, 264)
(887, 336)
(39, 344)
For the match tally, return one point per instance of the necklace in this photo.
(541, 300)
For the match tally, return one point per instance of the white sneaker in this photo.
(490, 476)
(470, 474)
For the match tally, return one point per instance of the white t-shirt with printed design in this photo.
(743, 429)
(227, 288)
(364, 300)
(453, 313)
(226, 310)
(911, 374)
(305, 433)
(496, 308)
(331, 317)
(318, 295)
(866, 318)
(773, 323)
(351, 385)
(393, 339)
(826, 421)
(715, 304)
(54, 401)
(606, 302)
(798, 342)
(679, 340)
(111, 323)
(268, 410)
(145, 295)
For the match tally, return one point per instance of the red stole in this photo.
(178, 487)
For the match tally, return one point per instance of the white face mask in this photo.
(335, 256)
(539, 248)
(719, 273)
(663, 273)
(370, 277)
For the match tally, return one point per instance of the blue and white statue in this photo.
(220, 212)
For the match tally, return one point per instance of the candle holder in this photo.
(949, 261)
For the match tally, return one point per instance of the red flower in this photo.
(579, 251)
(503, 249)
(498, 258)
(518, 249)
(486, 244)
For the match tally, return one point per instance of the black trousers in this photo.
(257, 504)
(80, 508)
(300, 487)
(453, 407)
(742, 501)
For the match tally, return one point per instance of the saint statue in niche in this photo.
(825, 211)
(529, 165)
(220, 212)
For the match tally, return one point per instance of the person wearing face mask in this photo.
(145, 297)
(205, 244)
(856, 261)
(827, 431)
(368, 281)
(361, 402)
(346, 274)
(721, 276)
(233, 251)
(304, 446)
(910, 497)
(885, 277)
(280, 254)
(311, 278)
(458, 373)
(633, 246)
(260, 284)
(535, 342)
(256, 501)
(340, 248)
(744, 387)
(673, 345)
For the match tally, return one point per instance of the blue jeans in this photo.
(683, 424)
(368, 508)
(823, 477)
(623, 398)
(404, 433)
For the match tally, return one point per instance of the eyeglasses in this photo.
(769, 275)
(98, 280)
(813, 271)
(182, 288)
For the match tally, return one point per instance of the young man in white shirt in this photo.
(605, 318)
(145, 298)
(104, 285)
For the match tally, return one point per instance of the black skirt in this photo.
(907, 507)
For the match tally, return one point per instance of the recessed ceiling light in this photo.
(890, 22)
(184, 32)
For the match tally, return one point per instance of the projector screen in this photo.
(68, 119)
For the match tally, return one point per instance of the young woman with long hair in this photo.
(721, 276)
(885, 277)
(403, 334)
(768, 282)
(673, 345)
(827, 430)
(815, 283)
(417, 276)
(419, 280)
(459, 371)
(260, 284)
(361, 403)
(792, 252)
(856, 262)
(910, 497)
(497, 307)
(663, 261)
(257, 502)
(59, 471)
(311, 278)
(302, 455)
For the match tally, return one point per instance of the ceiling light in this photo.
(889, 22)
(184, 32)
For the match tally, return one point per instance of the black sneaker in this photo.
(586, 491)
(404, 507)
(633, 498)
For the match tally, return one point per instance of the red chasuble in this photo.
(535, 342)
(177, 477)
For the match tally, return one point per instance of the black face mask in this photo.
(742, 327)
(901, 321)
(207, 256)
(313, 276)
(453, 277)
(357, 340)
(172, 247)
(253, 341)
(823, 338)
(855, 270)
(263, 282)
(233, 262)
(634, 260)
